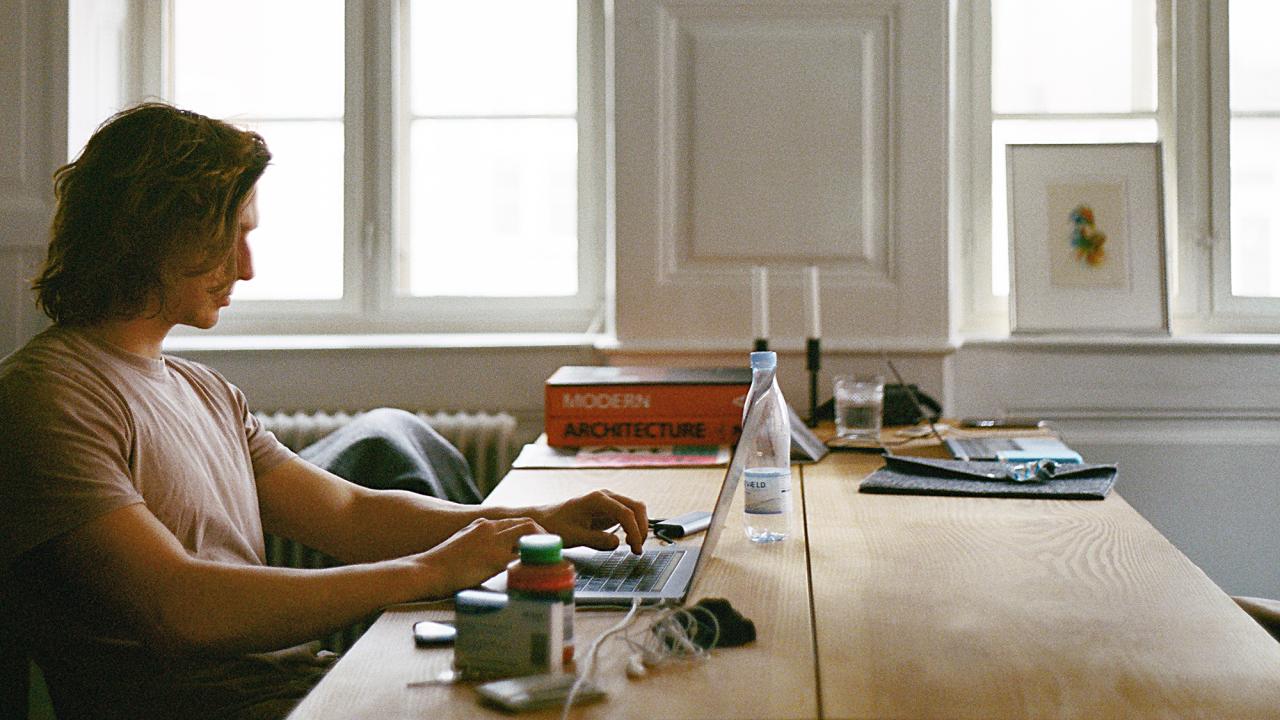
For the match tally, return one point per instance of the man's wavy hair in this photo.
(156, 191)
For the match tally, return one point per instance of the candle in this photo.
(760, 302)
(812, 310)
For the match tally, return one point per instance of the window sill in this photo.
(1155, 343)
(433, 341)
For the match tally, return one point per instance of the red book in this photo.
(602, 405)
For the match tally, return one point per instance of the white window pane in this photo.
(493, 208)
(96, 67)
(1255, 54)
(487, 57)
(259, 58)
(1255, 207)
(1083, 56)
(297, 248)
(1007, 132)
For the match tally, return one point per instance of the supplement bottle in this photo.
(542, 573)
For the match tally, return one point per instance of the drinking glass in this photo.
(859, 401)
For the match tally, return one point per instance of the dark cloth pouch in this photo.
(929, 476)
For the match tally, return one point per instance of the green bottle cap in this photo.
(543, 549)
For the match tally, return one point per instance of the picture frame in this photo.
(1086, 239)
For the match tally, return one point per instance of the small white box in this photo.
(502, 637)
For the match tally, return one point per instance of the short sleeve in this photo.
(64, 459)
(266, 452)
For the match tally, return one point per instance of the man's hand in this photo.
(476, 553)
(585, 520)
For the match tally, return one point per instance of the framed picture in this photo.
(1086, 239)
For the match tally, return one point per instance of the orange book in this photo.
(589, 405)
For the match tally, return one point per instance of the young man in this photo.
(135, 487)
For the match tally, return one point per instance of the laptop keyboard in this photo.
(620, 570)
(985, 447)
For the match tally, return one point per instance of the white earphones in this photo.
(635, 667)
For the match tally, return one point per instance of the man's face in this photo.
(197, 300)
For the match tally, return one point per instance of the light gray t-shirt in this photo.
(88, 428)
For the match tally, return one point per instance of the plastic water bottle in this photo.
(766, 448)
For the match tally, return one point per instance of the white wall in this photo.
(33, 114)
(1193, 423)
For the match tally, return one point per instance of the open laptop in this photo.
(1004, 449)
(1015, 449)
(659, 575)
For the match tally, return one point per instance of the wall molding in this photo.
(710, 220)
(33, 119)
(1148, 393)
(726, 162)
(1103, 427)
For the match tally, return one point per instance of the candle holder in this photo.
(813, 361)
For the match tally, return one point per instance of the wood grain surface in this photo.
(775, 677)
(945, 607)
(921, 607)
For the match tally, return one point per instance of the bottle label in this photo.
(768, 490)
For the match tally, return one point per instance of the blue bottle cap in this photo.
(764, 360)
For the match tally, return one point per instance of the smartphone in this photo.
(534, 692)
(1002, 422)
(428, 633)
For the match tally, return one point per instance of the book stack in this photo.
(592, 406)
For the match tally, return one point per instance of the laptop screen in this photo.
(728, 486)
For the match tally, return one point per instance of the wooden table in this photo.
(919, 607)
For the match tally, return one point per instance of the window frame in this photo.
(1193, 114)
(1230, 310)
(373, 214)
(590, 120)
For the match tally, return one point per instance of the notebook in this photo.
(1012, 449)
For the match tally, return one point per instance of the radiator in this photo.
(486, 440)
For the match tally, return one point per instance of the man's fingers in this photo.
(508, 531)
(630, 514)
(603, 541)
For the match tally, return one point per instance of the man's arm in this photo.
(356, 524)
(135, 570)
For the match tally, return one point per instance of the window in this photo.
(284, 80)
(1108, 71)
(438, 166)
(1079, 72)
(1249, 244)
(493, 139)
